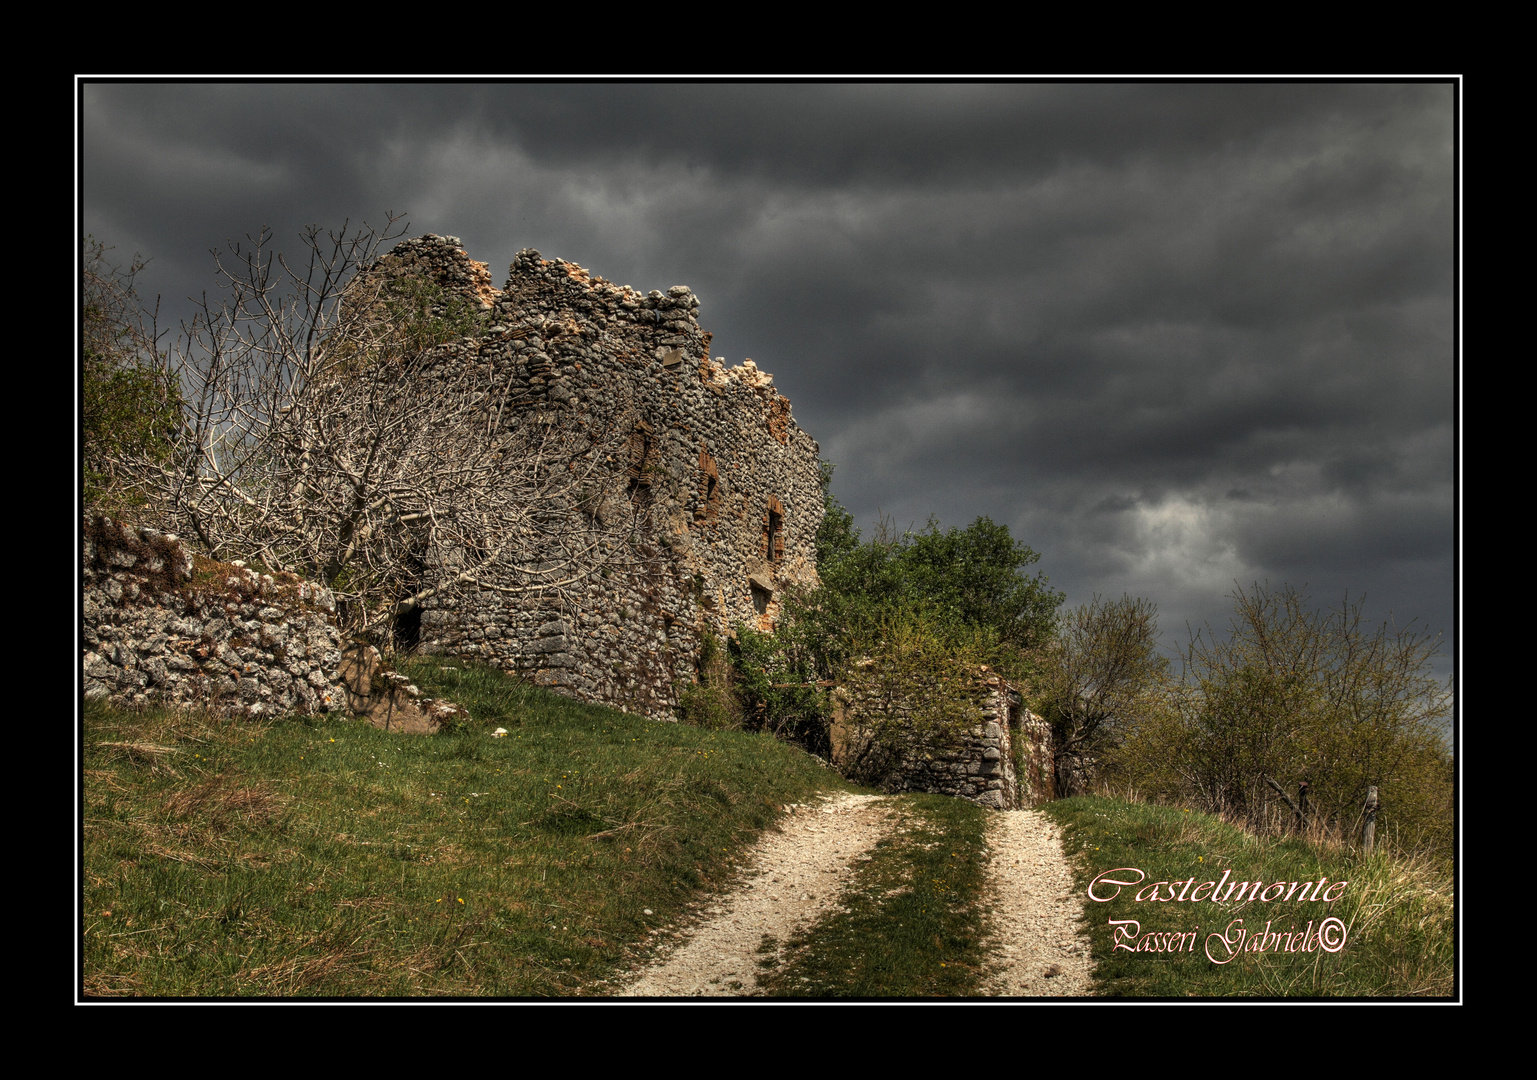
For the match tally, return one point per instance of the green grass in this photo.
(911, 925)
(1396, 910)
(320, 856)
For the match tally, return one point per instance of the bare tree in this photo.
(1099, 675)
(337, 423)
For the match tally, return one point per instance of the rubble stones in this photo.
(387, 699)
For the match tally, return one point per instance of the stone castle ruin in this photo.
(700, 498)
(715, 487)
(699, 509)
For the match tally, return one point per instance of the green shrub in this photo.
(910, 690)
(1295, 695)
(776, 684)
(130, 408)
(712, 701)
(962, 591)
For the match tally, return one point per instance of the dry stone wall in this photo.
(976, 763)
(163, 627)
(718, 485)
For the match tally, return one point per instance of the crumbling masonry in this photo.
(721, 484)
(717, 487)
(1002, 761)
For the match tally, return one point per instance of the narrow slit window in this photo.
(774, 531)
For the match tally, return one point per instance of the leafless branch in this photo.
(328, 429)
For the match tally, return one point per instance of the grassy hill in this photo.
(320, 856)
(1381, 925)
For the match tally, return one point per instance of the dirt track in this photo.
(795, 876)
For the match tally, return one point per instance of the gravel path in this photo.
(1038, 946)
(795, 876)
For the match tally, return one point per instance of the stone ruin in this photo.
(1003, 760)
(721, 484)
(724, 486)
(720, 487)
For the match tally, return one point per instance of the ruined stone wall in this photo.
(1034, 757)
(163, 627)
(714, 485)
(976, 763)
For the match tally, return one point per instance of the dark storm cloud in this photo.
(1171, 334)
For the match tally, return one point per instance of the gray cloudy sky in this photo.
(1173, 335)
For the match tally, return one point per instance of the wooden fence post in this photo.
(1299, 812)
(1369, 829)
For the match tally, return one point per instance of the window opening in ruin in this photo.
(760, 597)
(776, 544)
(773, 531)
(709, 488)
(407, 631)
(642, 460)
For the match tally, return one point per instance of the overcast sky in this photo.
(1174, 336)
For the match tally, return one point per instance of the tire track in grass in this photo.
(912, 924)
(794, 878)
(870, 897)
